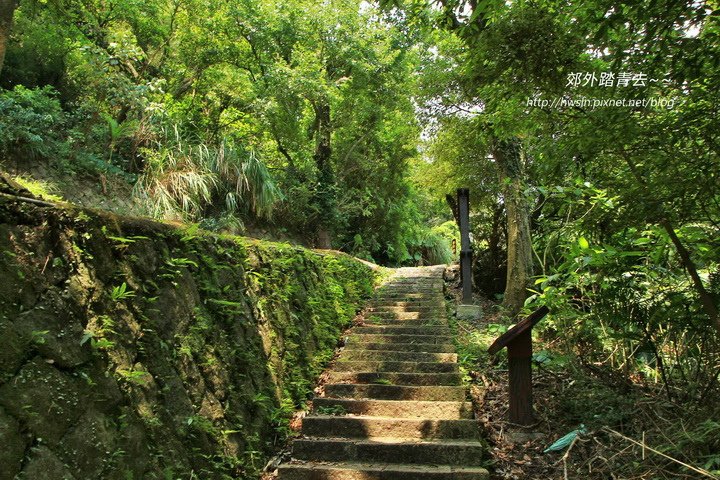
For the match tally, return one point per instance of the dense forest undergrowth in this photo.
(587, 132)
(631, 428)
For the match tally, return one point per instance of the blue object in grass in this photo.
(562, 443)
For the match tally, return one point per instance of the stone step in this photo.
(389, 297)
(403, 347)
(432, 318)
(396, 408)
(394, 339)
(411, 296)
(406, 308)
(413, 281)
(406, 315)
(434, 282)
(393, 405)
(443, 452)
(396, 378)
(378, 471)
(409, 287)
(387, 366)
(372, 321)
(407, 297)
(411, 330)
(374, 427)
(395, 356)
(405, 303)
(395, 392)
(402, 315)
(406, 300)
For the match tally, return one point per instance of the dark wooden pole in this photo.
(520, 372)
(463, 196)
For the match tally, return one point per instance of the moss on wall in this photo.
(136, 350)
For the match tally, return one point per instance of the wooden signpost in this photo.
(463, 202)
(518, 341)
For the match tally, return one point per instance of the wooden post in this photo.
(463, 200)
(518, 341)
(520, 372)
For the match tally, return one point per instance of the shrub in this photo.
(31, 122)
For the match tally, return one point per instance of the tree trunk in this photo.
(452, 201)
(508, 157)
(7, 10)
(325, 195)
(705, 299)
(495, 237)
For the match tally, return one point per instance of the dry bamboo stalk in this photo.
(701, 471)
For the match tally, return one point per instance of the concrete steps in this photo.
(408, 322)
(399, 409)
(403, 347)
(396, 392)
(370, 427)
(420, 304)
(390, 366)
(402, 315)
(398, 339)
(378, 471)
(396, 378)
(428, 289)
(396, 295)
(423, 310)
(396, 356)
(405, 330)
(389, 450)
(426, 306)
(393, 407)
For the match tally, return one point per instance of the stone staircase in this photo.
(394, 407)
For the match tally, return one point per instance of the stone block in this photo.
(48, 401)
(468, 312)
(44, 464)
(13, 446)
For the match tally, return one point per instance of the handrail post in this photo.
(518, 340)
(520, 379)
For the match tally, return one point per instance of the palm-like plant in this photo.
(245, 181)
(183, 180)
(118, 131)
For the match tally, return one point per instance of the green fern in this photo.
(121, 292)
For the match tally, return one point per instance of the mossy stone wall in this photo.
(131, 349)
